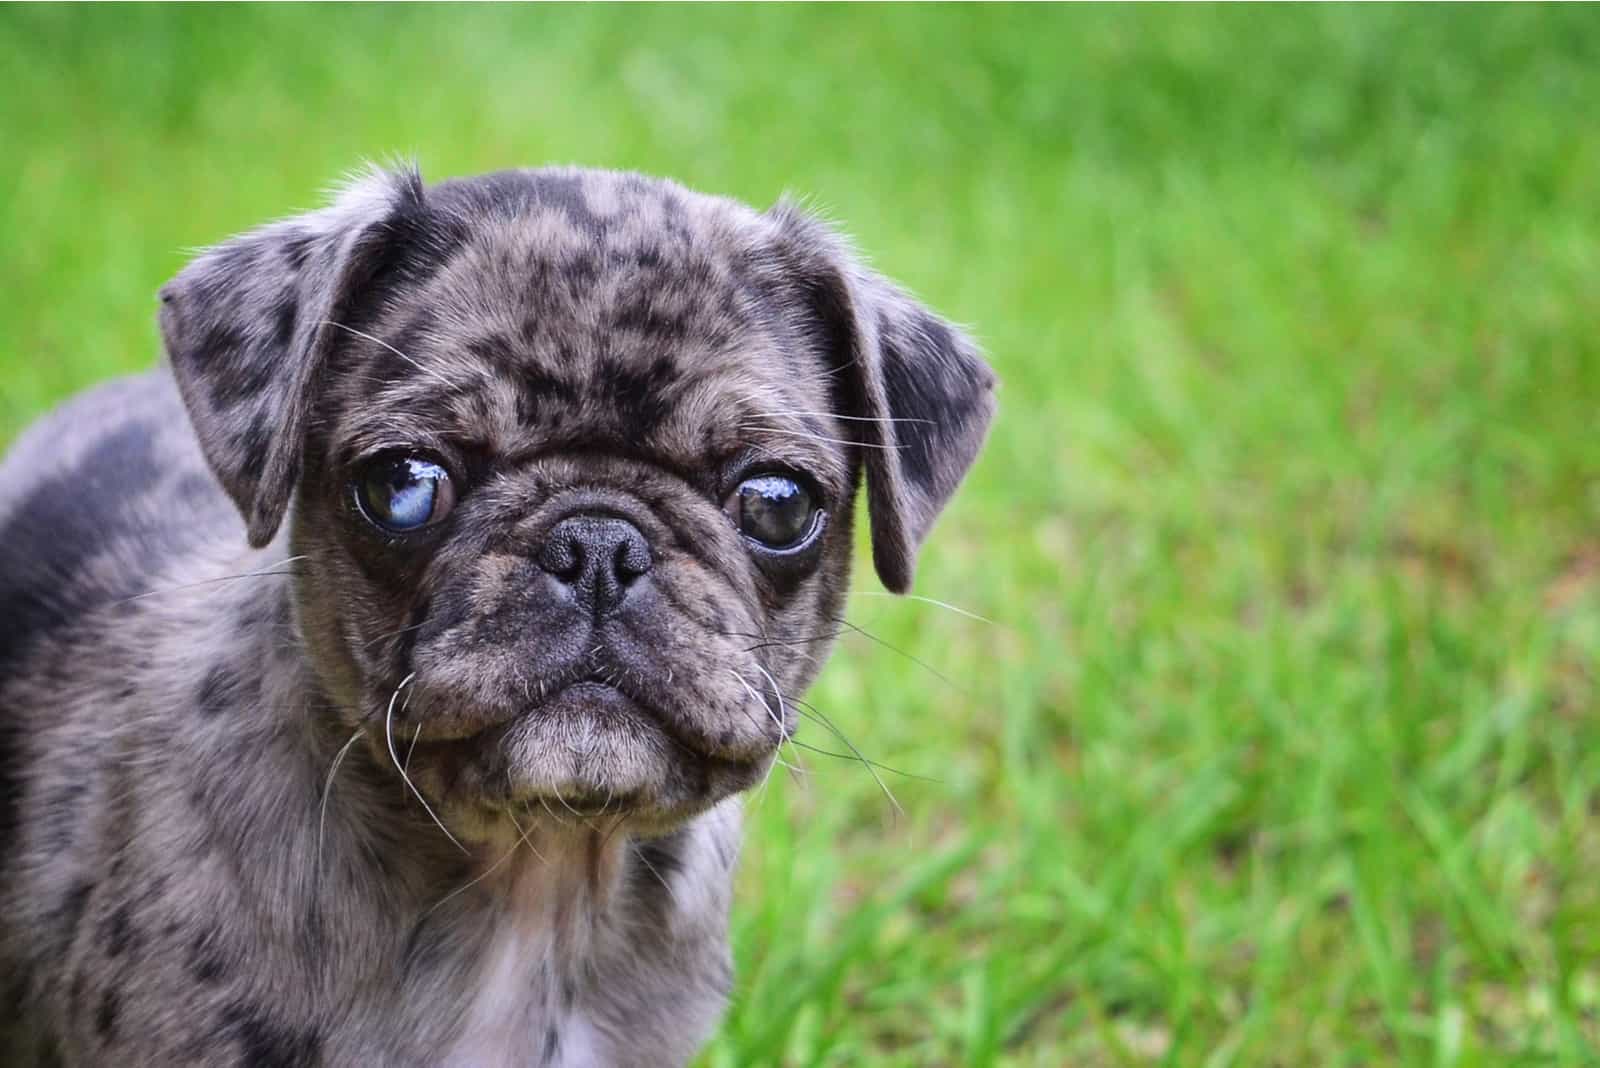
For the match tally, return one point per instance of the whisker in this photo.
(767, 641)
(783, 713)
(550, 811)
(580, 816)
(808, 747)
(379, 341)
(925, 600)
(638, 855)
(392, 634)
(786, 643)
(524, 835)
(265, 572)
(786, 432)
(413, 746)
(327, 789)
(817, 715)
(767, 778)
(463, 888)
(929, 668)
(388, 734)
(796, 769)
(852, 418)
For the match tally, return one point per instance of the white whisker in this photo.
(776, 760)
(327, 788)
(379, 341)
(852, 418)
(525, 839)
(925, 600)
(388, 734)
(870, 765)
(266, 572)
(463, 888)
(412, 747)
(785, 432)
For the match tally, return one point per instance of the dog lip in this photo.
(605, 693)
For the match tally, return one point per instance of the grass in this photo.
(1283, 746)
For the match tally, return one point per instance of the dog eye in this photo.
(773, 510)
(403, 492)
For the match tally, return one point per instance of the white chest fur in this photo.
(519, 1013)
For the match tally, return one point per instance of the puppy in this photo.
(378, 677)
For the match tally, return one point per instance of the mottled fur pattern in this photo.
(280, 788)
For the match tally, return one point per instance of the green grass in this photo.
(1284, 746)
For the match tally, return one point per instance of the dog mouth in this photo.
(590, 747)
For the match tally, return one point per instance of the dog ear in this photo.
(245, 327)
(918, 392)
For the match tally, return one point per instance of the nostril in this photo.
(563, 557)
(632, 558)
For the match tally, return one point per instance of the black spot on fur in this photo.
(252, 445)
(664, 854)
(60, 815)
(218, 691)
(552, 1044)
(51, 536)
(295, 249)
(641, 398)
(409, 247)
(265, 1044)
(925, 380)
(566, 194)
(204, 961)
(657, 861)
(493, 349)
(70, 910)
(644, 315)
(105, 1017)
(647, 257)
(224, 348)
(117, 933)
(284, 316)
(539, 391)
(578, 272)
(569, 993)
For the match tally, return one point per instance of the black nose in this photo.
(599, 557)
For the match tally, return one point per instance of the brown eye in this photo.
(774, 510)
(402, 492)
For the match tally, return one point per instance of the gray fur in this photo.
(214, 673)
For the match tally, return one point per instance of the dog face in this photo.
(573, 456)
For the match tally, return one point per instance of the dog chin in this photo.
(590, 752)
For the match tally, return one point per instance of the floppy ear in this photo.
(918, 392)
(244, 327)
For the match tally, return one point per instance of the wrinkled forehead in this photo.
(562, 310)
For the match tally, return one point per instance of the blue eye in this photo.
(401, 492)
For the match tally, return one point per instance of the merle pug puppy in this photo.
(391, 708)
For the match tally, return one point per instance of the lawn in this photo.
(1280, 743)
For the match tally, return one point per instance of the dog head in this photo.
(572, 457)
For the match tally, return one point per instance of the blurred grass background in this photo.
(1282, 748)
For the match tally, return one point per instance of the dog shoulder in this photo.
(98, 496)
